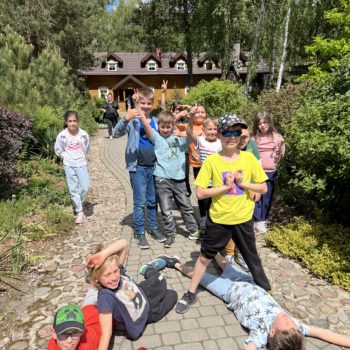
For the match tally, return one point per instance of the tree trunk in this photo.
(188, 43)
(273, 61)
(255, 52)
(284, 50)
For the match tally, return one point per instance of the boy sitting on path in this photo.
(120, 300)
(170, 174)
(231, 172)
(255, 309)
(140, 159)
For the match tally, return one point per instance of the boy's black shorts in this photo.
(217, 236)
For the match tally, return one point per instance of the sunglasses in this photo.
(230, 133)
(64, 336)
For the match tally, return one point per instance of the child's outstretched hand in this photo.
(95, 261)
(164, 86)
(132, 113)
(193, 110)
(135, 97)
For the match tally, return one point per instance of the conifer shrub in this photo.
(323, 249)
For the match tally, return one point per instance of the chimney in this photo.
(159, 53)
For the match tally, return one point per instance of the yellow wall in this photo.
(176, 85)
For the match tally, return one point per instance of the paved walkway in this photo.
(208, 325)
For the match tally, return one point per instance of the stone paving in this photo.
(208, 325)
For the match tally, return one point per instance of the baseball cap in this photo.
(68, 317)
(228, 120)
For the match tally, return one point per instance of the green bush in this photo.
(318, 142)
(218, 96)
(323, 249)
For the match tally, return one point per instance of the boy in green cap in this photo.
(75, 328)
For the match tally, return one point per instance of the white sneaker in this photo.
(111, 137)
(80, 218)
(260, 227)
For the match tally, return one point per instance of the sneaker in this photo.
(158, 264)
(155, 234)
(184, 303)
(142, 241)
(260, 227)
(170, 260)
(241, 263)
(111, 137)
(169, 241)
(80, 218)
(194, 235)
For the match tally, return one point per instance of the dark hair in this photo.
(286, 340)
(174, 105)
(260, 116)
(67, 115)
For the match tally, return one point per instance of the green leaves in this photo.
(218, 96)
(323, 249)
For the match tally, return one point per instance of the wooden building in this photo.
(120, 73)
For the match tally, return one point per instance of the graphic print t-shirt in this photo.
(127, 304)
(73, 154)
(235, 206)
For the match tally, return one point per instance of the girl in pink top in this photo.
(271, 147)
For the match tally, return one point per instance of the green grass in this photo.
(37, 209)
(323, 249)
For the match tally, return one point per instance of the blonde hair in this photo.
(166, 117)
(146, 94)
(210, 120)
(94, 274)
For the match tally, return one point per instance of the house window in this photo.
(112, 65)
(180, 65)
(208, 65)
(103, 91)
(151, 65)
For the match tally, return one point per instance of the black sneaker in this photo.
(241, 263)
(184, 303)
(155, 234)
(142, 241)
(169, 241)
(170, 260)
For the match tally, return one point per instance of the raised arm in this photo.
(329, 336)
(190, 134)
(163, 98)
(119, 247)
(145, 122)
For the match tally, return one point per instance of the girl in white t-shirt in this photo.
(72, 145)
(207, 143)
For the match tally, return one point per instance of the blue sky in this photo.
(110, 7)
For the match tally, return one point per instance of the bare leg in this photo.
(188, 271)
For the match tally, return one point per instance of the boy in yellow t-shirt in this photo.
(233, 174)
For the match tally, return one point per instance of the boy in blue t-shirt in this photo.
(140, 159)
(169, 174)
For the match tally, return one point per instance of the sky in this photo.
(111, 7)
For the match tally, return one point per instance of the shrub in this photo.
(323, 249)
(14, 130)
(318, 140)
(218, 96)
